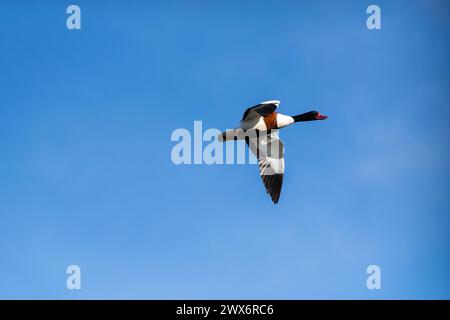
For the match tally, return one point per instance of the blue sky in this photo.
(86, 175)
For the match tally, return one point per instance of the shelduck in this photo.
(259, 126)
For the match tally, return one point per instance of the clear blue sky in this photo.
(86, 175)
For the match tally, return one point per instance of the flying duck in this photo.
(259, 126)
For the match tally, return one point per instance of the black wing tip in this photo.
(273, 185)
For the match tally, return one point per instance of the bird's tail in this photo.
(231, 135)
(223, 137)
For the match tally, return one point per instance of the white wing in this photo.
(269, 150)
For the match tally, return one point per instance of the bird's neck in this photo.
(303, 117)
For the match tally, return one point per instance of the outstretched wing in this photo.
(262, 109)
(269, 150)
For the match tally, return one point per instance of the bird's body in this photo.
(259, 126)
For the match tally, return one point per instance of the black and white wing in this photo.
(269, 150)
(260, 110)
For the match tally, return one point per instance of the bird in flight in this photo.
(259, 127)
